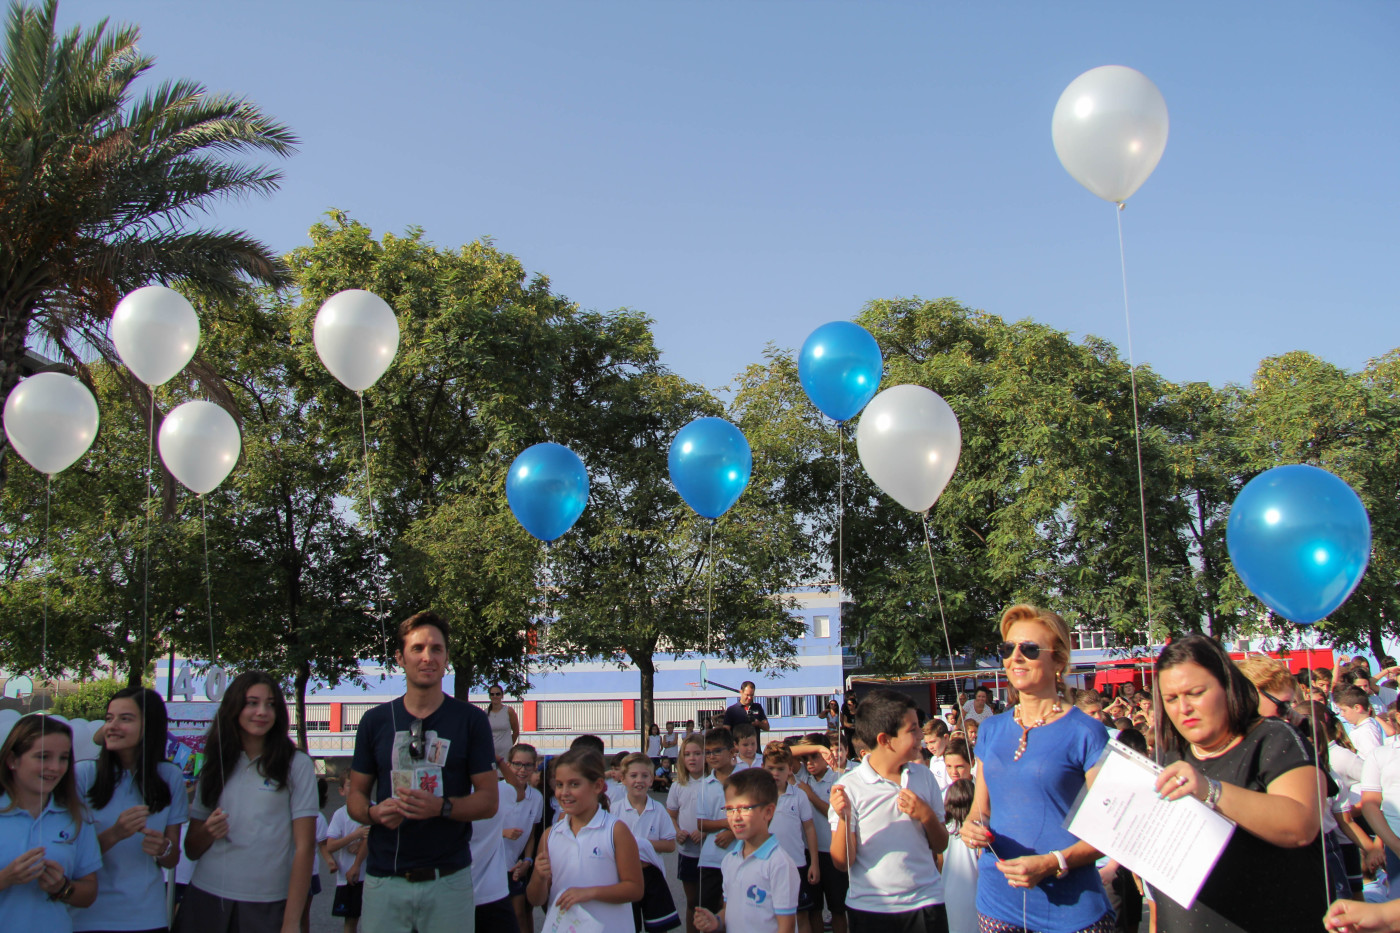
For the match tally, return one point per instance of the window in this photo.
(821, 626)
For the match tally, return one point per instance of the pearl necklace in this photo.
(1026, 730)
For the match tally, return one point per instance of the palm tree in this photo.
(98, 190)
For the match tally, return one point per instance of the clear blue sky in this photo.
(744, 172)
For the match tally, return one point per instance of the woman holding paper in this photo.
(1033, 761)
(1258, 772)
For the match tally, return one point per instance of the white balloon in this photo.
(8, 718)
(1109, 129)
(909, 443)
(51, 419)
(83, 747)
(356, 336)
(155, 331)
(199, 443)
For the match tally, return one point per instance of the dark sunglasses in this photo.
(416, 749)
(1029, 650)
(1282, 706)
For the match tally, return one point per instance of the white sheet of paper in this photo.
(1172, 845)
(573, 920)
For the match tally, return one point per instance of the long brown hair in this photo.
(145, 777)
(223, 744)
(25, 734)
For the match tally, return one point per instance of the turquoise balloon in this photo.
(1300, 539)
(710, 463)
(839, 367)
(547, 489)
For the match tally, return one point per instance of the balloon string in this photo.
(928, 543)
(840, 510)
(710, 586)
(44, 559)
(1137, 430)
(373, 532)
(146, 568)
(209, 608)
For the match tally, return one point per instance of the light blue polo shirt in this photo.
(710, 806)
(130, 885)
(27, 907)
(758, 888)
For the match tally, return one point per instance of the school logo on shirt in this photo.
(756, 894)
(65, 836)
(597, 853)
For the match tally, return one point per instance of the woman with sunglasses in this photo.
(1257, 771)
(505, 725)
(1033, 762)
(253, 819)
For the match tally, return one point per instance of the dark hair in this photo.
(418, 620)
(1122, 723)
(23, 736)
(590, 742)
(1241, 699)
(1134, 740)
(1349, 675)
(1360, 664)
(145, 776)
(816, 738)
(936, 728)
(720, 735)
(957, 801)
(959, 747)
(1316, 723)
(881, 711)
(754, 783)
(589, 765)
(522, 747)
(744, 730)
(1326, 672)
(223, 742)
(323, 788)
(746, 685)
(1351, 695)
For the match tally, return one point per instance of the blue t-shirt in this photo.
(130, 885)
(1029, 799)
(457, 744)
(27, 906)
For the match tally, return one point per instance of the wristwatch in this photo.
(63, 893)
(446, 813)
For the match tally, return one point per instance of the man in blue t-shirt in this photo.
(425, 759)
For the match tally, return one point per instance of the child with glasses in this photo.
(719, 758)
(760, 879)
(519, 826)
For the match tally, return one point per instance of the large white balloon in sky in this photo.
(51, 419)
(156, 332)
(1110, 129)
(199, 443)
(909, 442)
(356, 336)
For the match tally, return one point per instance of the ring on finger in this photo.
(1181, 780)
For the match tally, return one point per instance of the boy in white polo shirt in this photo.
(816, 783)
(887, 825)
(760, 879)
(719, 760)
(792, 823)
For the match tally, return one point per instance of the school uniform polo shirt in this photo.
(822, 788)
(792, 811)
(74, 846)
(1380, 774)
(711, 807)
(253, 863)
(894, 870)
(758, 888)
(741, 765)
(652, 823)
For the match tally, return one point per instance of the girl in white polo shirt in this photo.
(589, 858)
(253, 819)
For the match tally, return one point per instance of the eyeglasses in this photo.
(522, 764)
(1282, 705)
(1029, 650)
(416, 746)
(744, 808)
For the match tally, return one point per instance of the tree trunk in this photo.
(14, 327)
(647, 667)
(303, 677)
(463, 673)
(1377, 643)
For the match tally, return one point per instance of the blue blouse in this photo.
(1030, 799)
(74, 846)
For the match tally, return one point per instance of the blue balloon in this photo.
(840, 366)
(547, 489)
(1299, 538)
(710, 464)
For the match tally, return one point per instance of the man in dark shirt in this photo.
(426, 758)
(746, 710)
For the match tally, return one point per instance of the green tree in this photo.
(97, 188)
(643, 576)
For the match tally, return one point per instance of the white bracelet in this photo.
(1064, 865)
(168, 844)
